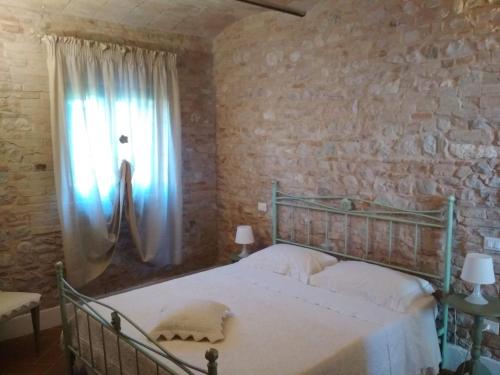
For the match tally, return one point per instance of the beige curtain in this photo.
(116, 133)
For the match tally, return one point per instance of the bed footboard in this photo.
(103, 347)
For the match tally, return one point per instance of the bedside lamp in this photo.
(477, 270)
(244, 236)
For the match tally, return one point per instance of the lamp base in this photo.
(327, 245)
(244, 252)
(476, 297)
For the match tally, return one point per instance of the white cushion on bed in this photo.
(383, 286)
(294, 261)
(194, 318)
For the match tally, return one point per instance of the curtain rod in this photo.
(124, 43)
(275, 7)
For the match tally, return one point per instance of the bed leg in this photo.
(211, 355)
(35, 320)
(68, 361)
(68, 355)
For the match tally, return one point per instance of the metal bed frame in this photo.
(371, 211)
(83, 307)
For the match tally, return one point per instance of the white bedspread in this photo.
(281, 326)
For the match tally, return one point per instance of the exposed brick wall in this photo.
(389, 99)
(30, 240)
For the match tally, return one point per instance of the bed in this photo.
(279, 324)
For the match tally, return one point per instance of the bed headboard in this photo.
(359, 216)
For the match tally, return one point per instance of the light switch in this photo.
(491, 326)
(262, 206)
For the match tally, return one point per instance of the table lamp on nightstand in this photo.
(244, 236)
(478, 270)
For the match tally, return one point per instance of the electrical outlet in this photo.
(262, 206)
(491, 326)
(491, 243)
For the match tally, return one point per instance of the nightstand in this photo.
(235, 257)
(479, 312)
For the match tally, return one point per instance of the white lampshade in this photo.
(478, 269)
(244, 235)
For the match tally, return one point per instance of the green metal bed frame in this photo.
(147, 350)
(347, 207)
(83, 307)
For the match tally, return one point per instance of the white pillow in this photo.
(382, 286)
(294, 261)
(194, 318)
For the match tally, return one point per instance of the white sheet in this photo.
(282, 326)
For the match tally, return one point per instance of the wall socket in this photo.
(491, 243)
(491, 326)
(262, 206)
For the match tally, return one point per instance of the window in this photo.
(95, 127)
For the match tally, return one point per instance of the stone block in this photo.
(426, 186)
(474, 136)
(430, 144)
(471, 152)
(494, 182)
(6, 260)
(490, 89)
(491, 103)
(464, 171)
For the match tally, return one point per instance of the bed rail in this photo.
(366, 213)
(146, 351)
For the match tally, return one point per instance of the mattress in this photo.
(279, 325)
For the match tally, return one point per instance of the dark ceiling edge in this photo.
(277, 8)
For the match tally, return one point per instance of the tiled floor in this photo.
(19, 357)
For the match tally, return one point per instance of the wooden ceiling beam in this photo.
(278, 8)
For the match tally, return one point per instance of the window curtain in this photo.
(116, 133)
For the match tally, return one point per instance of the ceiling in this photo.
(204, 18)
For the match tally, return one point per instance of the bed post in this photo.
(211, 356)
(274, 212)
(447, 277)
(68, 356)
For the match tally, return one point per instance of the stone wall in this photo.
(30, 240)
(388, 99)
